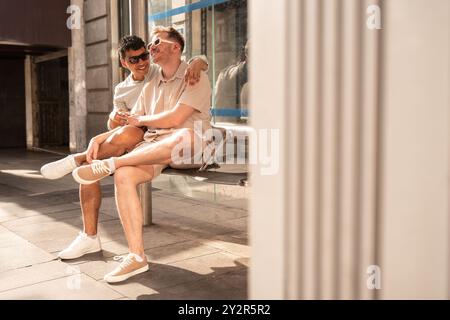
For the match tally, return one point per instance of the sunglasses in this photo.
(157, 42)
(135, 59)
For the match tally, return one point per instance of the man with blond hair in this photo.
(134, 56)
(169, 109)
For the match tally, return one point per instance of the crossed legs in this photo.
(126, 181)
(133, 169)
(142, 164)
(90, 195)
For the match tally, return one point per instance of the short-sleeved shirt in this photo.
(127, 93)
(161, 95)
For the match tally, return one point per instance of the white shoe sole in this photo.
(80, 255)
(77, 178)
(115, 279)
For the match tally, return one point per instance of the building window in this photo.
(124, 30)
(218, 30)
(124, 18)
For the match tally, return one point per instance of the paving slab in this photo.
(26, 276)
(23, 255)
(211, 264)
(18, 208)
(43, 218)
(73, 287)
(153, 238)
(179, 251)
(197, 247)
(240, 224)
(235, 243)
(10, 239)
(188, 227)
(229, 286)
(158, 277)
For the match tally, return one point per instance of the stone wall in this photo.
(99, 87)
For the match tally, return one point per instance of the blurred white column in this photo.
(364, 145)
(414, 248)
(77, 84)
(31, 103)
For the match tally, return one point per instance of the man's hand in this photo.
(192, 74)
(92, 151)
(119, 117)
(134, 120)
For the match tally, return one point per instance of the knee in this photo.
(126, 177)
(118, 138)
(126, 136)
(123, 176)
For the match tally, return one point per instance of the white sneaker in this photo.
(83, 244)
(58, 169)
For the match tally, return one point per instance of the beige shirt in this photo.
(127, 93)
(161, 95)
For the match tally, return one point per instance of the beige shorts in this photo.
(157, 136)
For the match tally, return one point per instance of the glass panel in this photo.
(124, 29)
(229, 39)
(124, 18)
(217, 29)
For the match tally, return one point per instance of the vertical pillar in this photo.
(31, 103)
(77, 85)
(268, 211)
(139, 18)
(364, 124)
(414, 238)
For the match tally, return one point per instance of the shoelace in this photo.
(125, 261)
(100, 167)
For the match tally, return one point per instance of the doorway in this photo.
(12, 103)
(53, 104)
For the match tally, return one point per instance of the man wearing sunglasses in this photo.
(134, 57)
(172, 112)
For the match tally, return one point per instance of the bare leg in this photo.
(90, 201)
(156, 153)
(91, 195)
(117, 144)
(126, 180)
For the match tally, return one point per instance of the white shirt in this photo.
(128, 91)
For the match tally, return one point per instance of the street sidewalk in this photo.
(197, 249)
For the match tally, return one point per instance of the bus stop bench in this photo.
(214, 173)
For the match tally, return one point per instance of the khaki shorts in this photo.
(157, 136)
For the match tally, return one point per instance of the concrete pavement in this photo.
(197, 248)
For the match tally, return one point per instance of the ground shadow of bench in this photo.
(213, 174)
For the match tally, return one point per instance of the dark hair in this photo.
(130, 43)
(172, 33)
